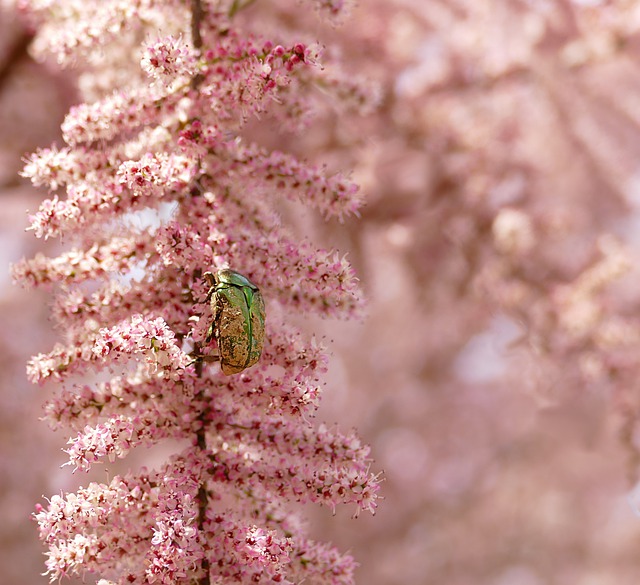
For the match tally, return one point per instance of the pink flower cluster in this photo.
(168, 59)
(132, 301)
(164, 183)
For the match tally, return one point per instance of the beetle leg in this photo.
(212, 285)
(209, 334)
(200, 357)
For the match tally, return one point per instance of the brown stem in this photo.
(196, 20)
(197, 14)
(203, 504)
(203, 497)
(14, 55)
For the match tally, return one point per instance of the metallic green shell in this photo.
(238, 320)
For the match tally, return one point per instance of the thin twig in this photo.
(196, 20)
(14, 55)
(203, 504)
(197, 15)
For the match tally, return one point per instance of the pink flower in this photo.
(168, 60)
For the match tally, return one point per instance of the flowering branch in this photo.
(163, 184)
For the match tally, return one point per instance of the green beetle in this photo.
(238, 319)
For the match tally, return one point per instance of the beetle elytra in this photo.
(238, 319)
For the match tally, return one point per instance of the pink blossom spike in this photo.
(163, 182)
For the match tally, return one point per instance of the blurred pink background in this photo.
(496, 374)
